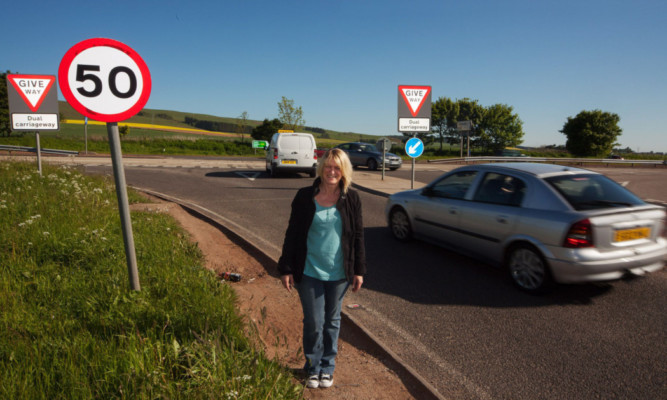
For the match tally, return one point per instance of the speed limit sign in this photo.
(104, 79)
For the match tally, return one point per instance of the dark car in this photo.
(367, 155)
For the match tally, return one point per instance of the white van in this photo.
(291, 152)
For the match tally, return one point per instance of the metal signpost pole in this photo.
(39, 154)
(99, 62)
(123, 205)
(412, 181)
(384, 157)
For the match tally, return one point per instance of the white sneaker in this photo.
(313, 382)
(326, 380)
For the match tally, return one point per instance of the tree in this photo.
(499, 128)
(444, 113)
(290, 116)
(241, 124)
(5, 127)
(266, 129)
(591, 133)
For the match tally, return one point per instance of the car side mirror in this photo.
(427, 191)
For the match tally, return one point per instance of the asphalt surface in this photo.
(465, 308)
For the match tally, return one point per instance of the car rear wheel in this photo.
(528, 270)
(400, 225)
(372, 164)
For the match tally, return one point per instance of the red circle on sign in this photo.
(86, 109)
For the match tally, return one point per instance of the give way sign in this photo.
(104, 79)
(414, 108)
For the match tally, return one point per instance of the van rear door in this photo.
(296, 149)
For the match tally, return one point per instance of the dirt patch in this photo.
(362, 372)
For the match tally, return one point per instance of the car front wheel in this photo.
(400, 225)
(528, 270)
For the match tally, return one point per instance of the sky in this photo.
(342, 61)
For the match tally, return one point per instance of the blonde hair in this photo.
(340, 158)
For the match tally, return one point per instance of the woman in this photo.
(323, 254)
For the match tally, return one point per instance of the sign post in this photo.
(33, 105)
(414, 147)
(384, 145)
(465, 127)
(107, 81)
(414, 115)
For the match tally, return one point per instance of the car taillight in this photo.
(275, 154)
(579, 235)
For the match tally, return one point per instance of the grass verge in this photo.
(70, 327)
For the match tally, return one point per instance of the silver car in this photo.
(545, 223)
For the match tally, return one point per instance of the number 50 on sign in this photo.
(104, 79)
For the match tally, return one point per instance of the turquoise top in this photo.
(324, 260)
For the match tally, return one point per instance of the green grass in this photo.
(71, 328)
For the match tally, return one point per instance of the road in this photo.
(460, 323)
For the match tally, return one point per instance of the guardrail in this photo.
(34, 150)
(579, 161)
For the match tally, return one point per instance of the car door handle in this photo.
(501, 219)
(453, 211)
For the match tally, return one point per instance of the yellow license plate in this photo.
(288, 161)
(624, 235)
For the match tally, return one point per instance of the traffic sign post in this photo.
(464, 127)
(33, 105)
(107, 81)
(384, 145)
(414, 147)
(414, 108)
(259, 144)
(414, 115)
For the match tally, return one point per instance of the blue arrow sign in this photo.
(414, 147)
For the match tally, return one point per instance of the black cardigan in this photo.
(293, 258)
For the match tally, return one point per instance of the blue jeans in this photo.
(321, 302)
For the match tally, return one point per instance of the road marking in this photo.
(624, 184)
(248, 175)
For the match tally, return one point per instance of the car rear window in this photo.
(586, 192)
(296, 142)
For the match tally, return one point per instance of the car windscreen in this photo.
(369, 148)
(586, 192)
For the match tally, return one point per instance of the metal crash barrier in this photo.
(25, 149)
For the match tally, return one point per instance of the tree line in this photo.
(215, 126)
(589, 133)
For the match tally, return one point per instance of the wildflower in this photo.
(22, 224)
(232, 395)
(45, 233)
